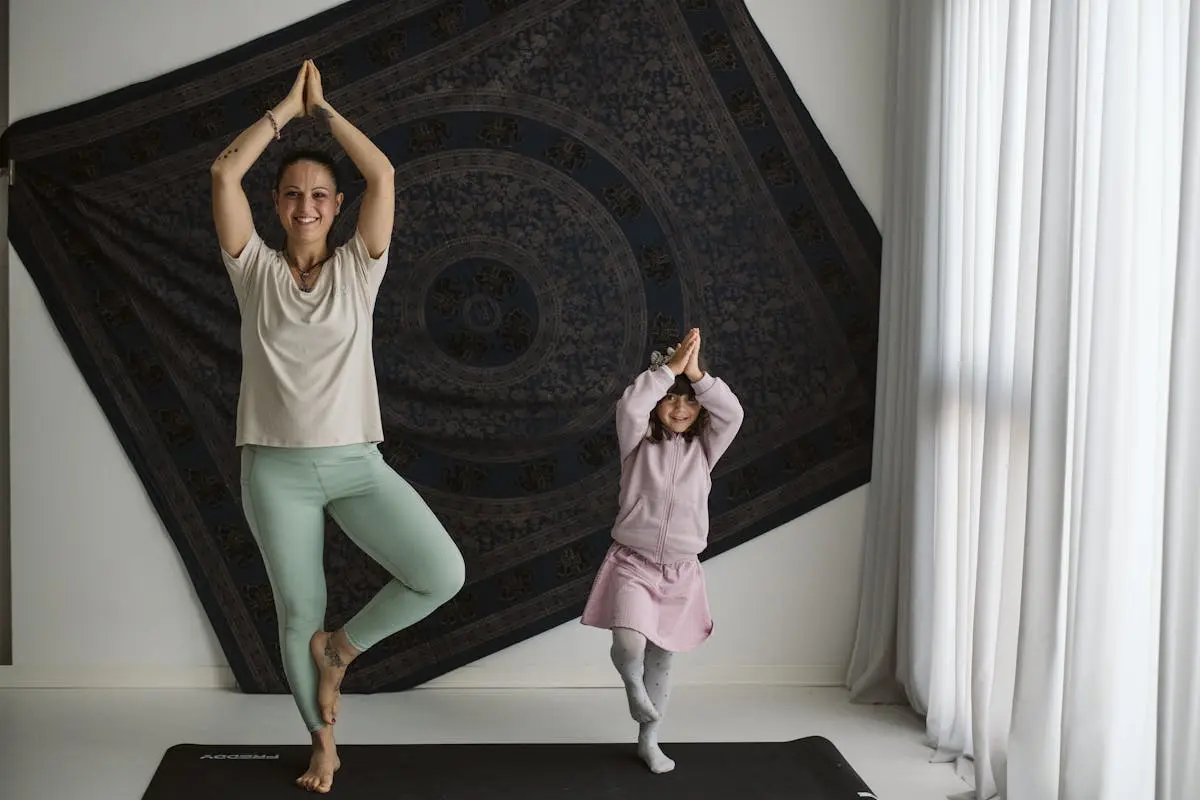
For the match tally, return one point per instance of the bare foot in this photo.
(323, 764)
(332, 654)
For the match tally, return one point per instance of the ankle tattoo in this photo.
(332, 656)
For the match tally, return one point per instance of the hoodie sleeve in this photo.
(725, 414)
(635, 405)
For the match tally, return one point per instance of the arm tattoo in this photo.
(323, 118)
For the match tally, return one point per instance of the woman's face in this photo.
(307, 201)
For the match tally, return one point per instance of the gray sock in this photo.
(657, 680)
(628, 656)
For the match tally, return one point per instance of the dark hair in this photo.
(316, 156)
(682, 387)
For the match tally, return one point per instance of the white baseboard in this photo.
(603, 675)
(114, 677)
(468, 677)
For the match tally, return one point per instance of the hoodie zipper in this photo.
(662, 537)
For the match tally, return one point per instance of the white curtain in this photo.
(1031, 579)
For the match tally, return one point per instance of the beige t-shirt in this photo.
(308, 370)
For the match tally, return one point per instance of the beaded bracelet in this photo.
(274, 123)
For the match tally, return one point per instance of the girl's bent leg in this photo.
(628, 654)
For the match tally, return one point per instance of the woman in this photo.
(308, 420)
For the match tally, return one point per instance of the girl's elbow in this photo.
(731, 414)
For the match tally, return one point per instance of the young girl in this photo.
(673, 423)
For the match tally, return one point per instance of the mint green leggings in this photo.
(285, 493)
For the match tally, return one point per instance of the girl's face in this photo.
(307, 202)
(677, 413)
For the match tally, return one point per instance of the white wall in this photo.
(5, 562)
(99, 593)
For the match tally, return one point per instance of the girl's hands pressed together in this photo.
(692, 369)
(682, 357)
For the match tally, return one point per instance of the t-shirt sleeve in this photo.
(243, 269)
(370, 270)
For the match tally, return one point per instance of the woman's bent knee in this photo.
(450, 575)
(435, 569)
(443, 573)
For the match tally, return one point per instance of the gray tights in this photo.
(645, 669)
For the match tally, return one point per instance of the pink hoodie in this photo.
(665, 485)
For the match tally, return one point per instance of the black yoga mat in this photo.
(809, 768)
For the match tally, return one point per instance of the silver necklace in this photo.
(305, 285)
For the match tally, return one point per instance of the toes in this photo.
(309, 781)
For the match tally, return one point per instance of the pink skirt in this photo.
(666, 603)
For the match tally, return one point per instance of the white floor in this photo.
(60, 744)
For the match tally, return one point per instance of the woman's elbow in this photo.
(220, 172)
(383, 176)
